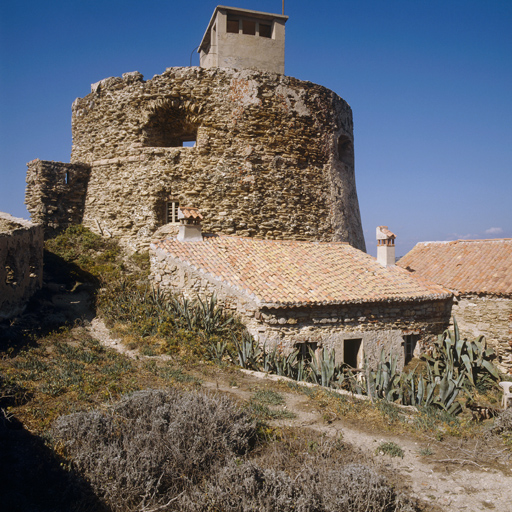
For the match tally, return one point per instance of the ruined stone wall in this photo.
(21, 263)
(488, 316)
(273, 155)
(55, 193)
(377, 325)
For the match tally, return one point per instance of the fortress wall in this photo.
(55, 193)
(21, 263)
(273, 155)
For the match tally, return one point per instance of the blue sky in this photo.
(429, 82)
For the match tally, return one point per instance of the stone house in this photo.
(21, 263)
(479, 273)
(300, 294)
(261, 154)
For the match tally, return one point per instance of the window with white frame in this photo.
(171, 211)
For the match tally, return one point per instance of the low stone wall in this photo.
(376, 325)
(488, 316)
(21, 263)
(55, 194)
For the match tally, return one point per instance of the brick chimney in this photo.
(190, 225)
(385, 246)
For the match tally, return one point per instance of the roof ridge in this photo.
(463, 240)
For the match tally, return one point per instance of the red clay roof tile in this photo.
(291, 273)
(467, 266)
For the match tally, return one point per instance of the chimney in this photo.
(190, 225)
(385, 246)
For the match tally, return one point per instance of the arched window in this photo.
(170, 126)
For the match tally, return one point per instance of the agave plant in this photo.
(323, 367)
(248, 352)
(386, 380)
(472, 359)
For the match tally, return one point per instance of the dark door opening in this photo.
(352, 352)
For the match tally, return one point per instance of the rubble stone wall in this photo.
(488, 316)
(377, 325)
(21, 263)
(273, 155)
(55, 193)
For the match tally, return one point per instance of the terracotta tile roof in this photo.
(188, 212)
(466, 266)
(278, 273)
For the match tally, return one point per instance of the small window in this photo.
(410, 341)
(352, 353)
(249, 27)
(188, 142)
(265, 30)
(305, 350)
(66, 178)
(172, 212)
(232, 25)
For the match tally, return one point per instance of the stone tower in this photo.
(258, 153)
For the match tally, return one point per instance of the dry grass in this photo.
(69, 371)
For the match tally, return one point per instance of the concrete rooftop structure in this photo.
(241, 38)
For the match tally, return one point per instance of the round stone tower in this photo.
(258, 153)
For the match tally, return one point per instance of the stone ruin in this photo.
(21, 263)
(259, 153)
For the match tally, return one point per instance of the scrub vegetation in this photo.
(84, 427)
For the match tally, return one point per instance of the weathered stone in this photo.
(21, 263)
(273, 158)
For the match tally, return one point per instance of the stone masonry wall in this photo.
(488, 316)
(377, 325)
(21, 263)
(55, 193)
(273, 157)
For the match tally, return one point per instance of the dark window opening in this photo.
(9, 275)
(265, 30)
(171, 212)
(352, 354)
(32, 265)
(170, 127)
(66, 178)
(345, 150)
(305, 350)
(11, 270)
(410, 341)
(232, 26)
(249, 27)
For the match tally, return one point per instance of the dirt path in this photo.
(452, 478)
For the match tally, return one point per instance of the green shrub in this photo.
(390, 448)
